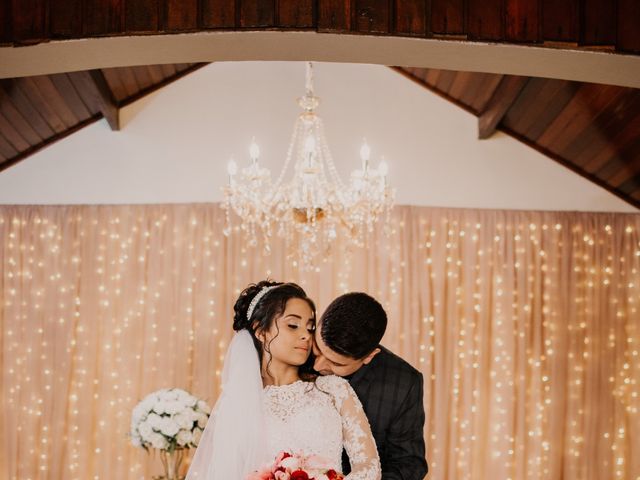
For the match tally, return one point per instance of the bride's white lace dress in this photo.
(320, 418)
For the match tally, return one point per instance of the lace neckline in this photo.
(285, 387)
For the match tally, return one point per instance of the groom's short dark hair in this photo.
(353, 325)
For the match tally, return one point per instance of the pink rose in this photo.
(290, 463)
(281, 475)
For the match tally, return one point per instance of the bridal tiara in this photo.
(257, 298)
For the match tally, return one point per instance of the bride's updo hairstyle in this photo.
(260, 304)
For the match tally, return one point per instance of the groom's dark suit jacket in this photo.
(391, 393)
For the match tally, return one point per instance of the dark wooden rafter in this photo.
(181, 70)
(592, 129)
(19, 156)
(507, 92)
(105, 100)
(625, 196)
(566, 23)
(93, 88)
(35, 112)
(424, 78)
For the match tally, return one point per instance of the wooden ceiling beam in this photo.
(501, 101)
(107, 105)
(568, 24)
(94, 89)
(38, 111)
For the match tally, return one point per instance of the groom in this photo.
(347, 343)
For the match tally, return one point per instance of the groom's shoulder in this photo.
(388, 360)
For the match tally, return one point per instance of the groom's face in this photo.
(328, 362)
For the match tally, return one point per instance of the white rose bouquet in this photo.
(169, 419)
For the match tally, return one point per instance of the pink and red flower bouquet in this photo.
(289, 466)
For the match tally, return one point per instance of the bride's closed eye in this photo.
(310, 329)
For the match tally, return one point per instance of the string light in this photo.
(525, 326)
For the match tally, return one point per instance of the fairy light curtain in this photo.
(525, 325)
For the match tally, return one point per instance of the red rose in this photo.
(299, 475)
(333, 475)
(281, 456)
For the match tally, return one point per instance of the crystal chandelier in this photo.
(313, 207)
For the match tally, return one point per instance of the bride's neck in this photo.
(279, 374)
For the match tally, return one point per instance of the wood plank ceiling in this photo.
(37, 111)
(610, 24)
(590, 128)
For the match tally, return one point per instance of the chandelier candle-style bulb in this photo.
(254, 150)
(232, 169)
(309, 150)
(365, 154)
(383, 168)
(313, 206)
(310, 144)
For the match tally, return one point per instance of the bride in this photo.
(271, 399)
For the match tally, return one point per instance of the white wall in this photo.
(174, 145)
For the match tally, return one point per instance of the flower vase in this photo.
(171, 461)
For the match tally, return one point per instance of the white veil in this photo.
(233, 443)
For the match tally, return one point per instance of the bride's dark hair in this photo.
(267, 309)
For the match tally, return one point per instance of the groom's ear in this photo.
(369, 357)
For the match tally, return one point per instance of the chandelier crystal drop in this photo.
(314, 206)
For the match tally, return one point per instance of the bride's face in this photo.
(289, 337)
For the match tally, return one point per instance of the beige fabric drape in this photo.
(525, 325)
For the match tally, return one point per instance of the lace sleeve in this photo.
(356, 432)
